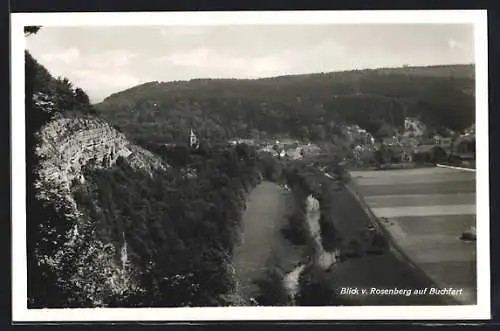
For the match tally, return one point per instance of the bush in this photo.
(270, 167)
(438, 154)
(422, 157)
(329, 236)
(352, 249)
(297, 230)
(378, 244)
(315, 289)
(271, 289)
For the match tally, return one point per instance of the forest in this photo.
(302, 106)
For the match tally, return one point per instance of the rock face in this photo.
(323, 258)
(77, 258)
(66, 146)
(291, 282)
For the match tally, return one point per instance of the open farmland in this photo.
(424, 212)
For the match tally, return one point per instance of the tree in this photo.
(383, 154)
(203, 147)
(81, 96)
(82, 101)
(385, 130)
(317, 133)
(271, 289)
(438, 154)
(315, 290)
(31, 29)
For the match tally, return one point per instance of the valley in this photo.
(215, 192)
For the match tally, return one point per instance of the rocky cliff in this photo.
(71, 241)
(66, 146)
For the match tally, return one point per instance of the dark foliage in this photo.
(270, 167)
(315, 290)
(424, 157)
(180, 231)
(306, 180)
(48, 97)
(271, 289)
(438, 154)
(195, 224)
(31, 29)
(304, 106)
(329, 234)
(379, 244)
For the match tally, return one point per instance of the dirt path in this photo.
(263, 245)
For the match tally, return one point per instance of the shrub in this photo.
(297, 230)
(315, 289)
(352, 249)
(271, 289)
(438, 154)
(378, 243)
(422, 157)
(270, 167)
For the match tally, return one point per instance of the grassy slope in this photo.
(264, 246)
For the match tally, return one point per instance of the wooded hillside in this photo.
(303, 106)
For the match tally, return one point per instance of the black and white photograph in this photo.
(274, 165)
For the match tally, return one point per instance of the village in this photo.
(412, 145)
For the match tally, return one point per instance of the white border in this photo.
(20, 313)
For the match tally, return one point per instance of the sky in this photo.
(105, 60)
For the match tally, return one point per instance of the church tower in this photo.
(193, 140)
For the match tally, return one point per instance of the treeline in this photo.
(47, 96)
(303, 106)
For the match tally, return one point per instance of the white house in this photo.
(413, 127)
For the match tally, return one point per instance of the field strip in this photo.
(390, 212)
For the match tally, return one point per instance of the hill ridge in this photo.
(306, 107)
(400, 70)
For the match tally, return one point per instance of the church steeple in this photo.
(193, 140)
